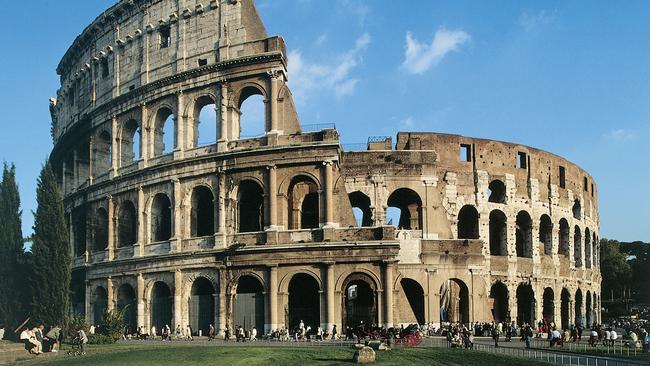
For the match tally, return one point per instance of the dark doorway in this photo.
(454, 302)
(578, 309)
(249, 304)
(410, 206)
(100, 303)
(303, 203)
(359, 301)
(497, 192)
(499, 296)
(201, 305)
(565, 299)
(524, 235)
(415, 296)
(161, 218)
(548, 308)
(126, 302)
(525, 304)
(161, 306)
(304, 301)
(202, 216)
(468, 223)
(127, 225)
(546, 234)
(251, 206)
(498, 233)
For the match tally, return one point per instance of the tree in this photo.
(615, 269)
(12, 307)
(51, 255)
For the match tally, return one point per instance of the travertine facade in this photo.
(262, 231)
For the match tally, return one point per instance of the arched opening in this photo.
(361, 206)
(251, 207)
(454, 302)
(303, 203)
(525, 304)
(205, 122)
(587, 248)
(127, 225)
(499, 300)
(161, 218)
(161, 306)
(548, 307)
(201, 305)
(410, 206)
(577, 246)
(595, 251)
(498, 233)
(415, 297)
(304, 301)
(164, 134)
(126, 303)
(202, 215)
(130, 142)
(565, 300)
(100, 304)
(496, 192)
(595, 306)
(249, 303)
(524, 235)
(252, 113)
(578, 309)
(79, 230)
(565, 232)
(577, 210)
(78, 293)
(103, 153)
(546, 234)
(589, 310)
(468, 223)
(359, 301)
(100, 227)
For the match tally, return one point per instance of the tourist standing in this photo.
(495, 335)
(188, 333)
(83, 339)
(253, 334)
(334, 332)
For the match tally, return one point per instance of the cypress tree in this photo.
(12, 307)
(51, 257)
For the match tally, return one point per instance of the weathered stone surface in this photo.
(364, 355)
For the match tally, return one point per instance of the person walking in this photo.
(188, 333)
(253, 334)
(528, 335)
(83, 340)
(334, 332)
(495, 335)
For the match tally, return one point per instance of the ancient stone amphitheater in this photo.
(221, 229)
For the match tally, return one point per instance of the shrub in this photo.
(100, 339)
(73, 324)
(113, 324)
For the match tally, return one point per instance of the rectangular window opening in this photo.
(104, 67)
(522, 160)
(465, 152)
(562, 177)
(592, 189)
(203, 62)
(585, 184)
(165, 37)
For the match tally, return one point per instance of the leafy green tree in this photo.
(113, 323)
(12, 300)
(51, 254)
(615, 269)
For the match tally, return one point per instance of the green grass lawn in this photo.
(124, 354)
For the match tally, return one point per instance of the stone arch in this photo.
(525, 304)
(303, 301)
(99, 304)
(468, 223)
(250, 206)
(361, 202)
(546, 234)
(577, 210)
(359, 300)
(414, 294)
(409, 204)
(548, 304)
(454, 301)
(130, 142)
(524, 235)
(163, 122)
(102, 152)
(304, 203)
(127, 224)
(498, 233)
(497, 191)
(232, 285)
(201, 304)
(499, 299)
(248, 304)
(565, 234)
(283, 284)
(565, 306)
(283, 187)
(161, 305)
(201, 211)
(247, 91)
(588, 309)
(587, 248)
(126, 301)
(579, 316)
(577, 246)
(100, 230)
(160, 218)
(199, 129)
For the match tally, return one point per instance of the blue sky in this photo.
(570, 77)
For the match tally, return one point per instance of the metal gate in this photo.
(249, 310)
(201, 313)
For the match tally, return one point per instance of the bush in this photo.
(72, 325)
(100, 339)
(113, 324)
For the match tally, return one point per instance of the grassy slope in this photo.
(160, 355)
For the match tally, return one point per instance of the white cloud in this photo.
(408, 122)
(420, 57)
(530, 22)
(621, 135)
(336, 76)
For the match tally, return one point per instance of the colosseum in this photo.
(289, 225)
